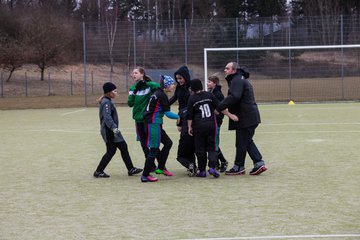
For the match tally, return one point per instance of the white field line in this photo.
(72, 112)
(262, 109)
(306, 124)
(172, 131)
(350, 235)
(296, 132)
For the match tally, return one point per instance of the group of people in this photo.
(200, 115)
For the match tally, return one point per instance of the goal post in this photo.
(290, 49)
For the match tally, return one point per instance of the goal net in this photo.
(298, 73)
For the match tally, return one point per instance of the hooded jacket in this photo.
(182, 92)
(241, 102)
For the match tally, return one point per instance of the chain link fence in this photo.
(110, 54)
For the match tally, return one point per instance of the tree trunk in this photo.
(10, 74)
(111, 27)
(111, 63)
(42, 73)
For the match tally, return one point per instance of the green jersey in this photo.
(139, 100)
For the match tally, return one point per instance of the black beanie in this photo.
(196, 85)
(108, 87)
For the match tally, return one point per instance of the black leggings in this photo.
(110, 152)
(142, 136)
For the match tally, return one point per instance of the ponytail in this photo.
(147, 78)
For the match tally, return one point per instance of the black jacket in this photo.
(182, 92)
(241, 102)
(182, 122)
(201, 106)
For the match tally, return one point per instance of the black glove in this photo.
(139, 86)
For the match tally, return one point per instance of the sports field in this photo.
(310, 191)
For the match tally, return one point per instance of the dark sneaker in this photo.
(232, 171)
(258, 170)
(214, 173)
(148, 178)
(101, 175)
(191, 170)
(201, 174)
(223, 166)
(134, 171)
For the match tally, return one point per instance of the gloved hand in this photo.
(139, 85)
(116, 131)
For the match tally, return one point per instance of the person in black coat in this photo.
(241, 102)
(186, 149)
(182, 90)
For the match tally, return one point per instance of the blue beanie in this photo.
(168, 81)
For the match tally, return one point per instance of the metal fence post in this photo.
(237, 38)
(342, 56)
(49, 84)
(84, 49)
(134, 42)
(26, 85)
(290, 77)
(92, 82)
(2, 84)
(185, 40)
(71, 83)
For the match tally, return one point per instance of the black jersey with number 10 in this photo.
(201, 108)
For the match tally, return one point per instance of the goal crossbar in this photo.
(206, 50)
(282, 47)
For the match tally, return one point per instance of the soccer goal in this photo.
(301, 73)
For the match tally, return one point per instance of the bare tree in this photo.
(329, 12)
(12, 57)
(48, 38)
(330, 15)
(111, 20)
